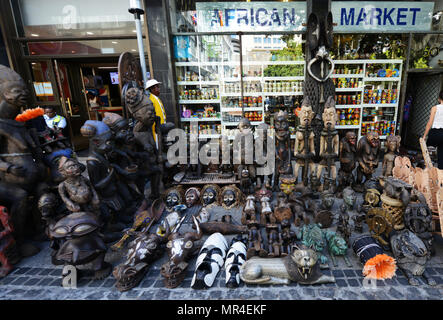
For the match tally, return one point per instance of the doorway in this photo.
(79, 89)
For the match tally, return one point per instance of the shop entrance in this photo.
(79, 90)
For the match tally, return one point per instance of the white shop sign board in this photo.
(350, 16)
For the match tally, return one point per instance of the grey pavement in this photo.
(37, 278)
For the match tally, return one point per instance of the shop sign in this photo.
(251, 16)
(367, 16)
(350, 16)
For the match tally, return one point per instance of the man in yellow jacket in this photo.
(153, 86)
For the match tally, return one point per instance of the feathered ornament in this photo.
(30, 114)
(377, 265)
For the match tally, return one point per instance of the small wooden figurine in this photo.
(392, 149)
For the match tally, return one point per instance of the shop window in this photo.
(63, 18)
(87, 47)
(41, 82)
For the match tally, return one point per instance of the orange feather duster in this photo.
(380, 267)
(30, 114)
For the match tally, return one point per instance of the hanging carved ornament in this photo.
(210, 195)
(230, 197)
(129, 76)
(380, 224)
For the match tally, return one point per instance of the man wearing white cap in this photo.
(154, 88)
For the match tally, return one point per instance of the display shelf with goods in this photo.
(362, 87)
(367, 86)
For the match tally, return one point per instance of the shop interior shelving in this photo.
(224, 78)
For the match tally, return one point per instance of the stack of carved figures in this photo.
(322, 198)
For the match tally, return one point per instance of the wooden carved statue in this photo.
(318, 85)
(329, 145)
(246, 172)
(282, 146)
(21, 168)
(76, 191)
(304, 149)
(368, 153)
(348, 149)
(101, 172)
(125, 158)
(148, 136)
(392, 149)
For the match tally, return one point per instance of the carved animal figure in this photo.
(411, 255)
(311, 236)
(396, 189)
(300, 266)
(337, 246)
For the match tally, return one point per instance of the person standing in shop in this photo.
(435, 129)
(52, 119)
(153, 86)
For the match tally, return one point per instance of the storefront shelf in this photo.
(254, 123)
(347, 127)
(198, 101)
(238, 94)
(348, 89)
(252, 78)
(295, 93)
(350, 61)
(199, 119)
(379, 105)
(295, 78)
(239, 109)
(224, 70)
(197, 83)
(347, 76)
(370, 79)
(347, 106)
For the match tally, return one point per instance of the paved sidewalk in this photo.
(37, 278)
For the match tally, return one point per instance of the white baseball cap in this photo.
(151, 83)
